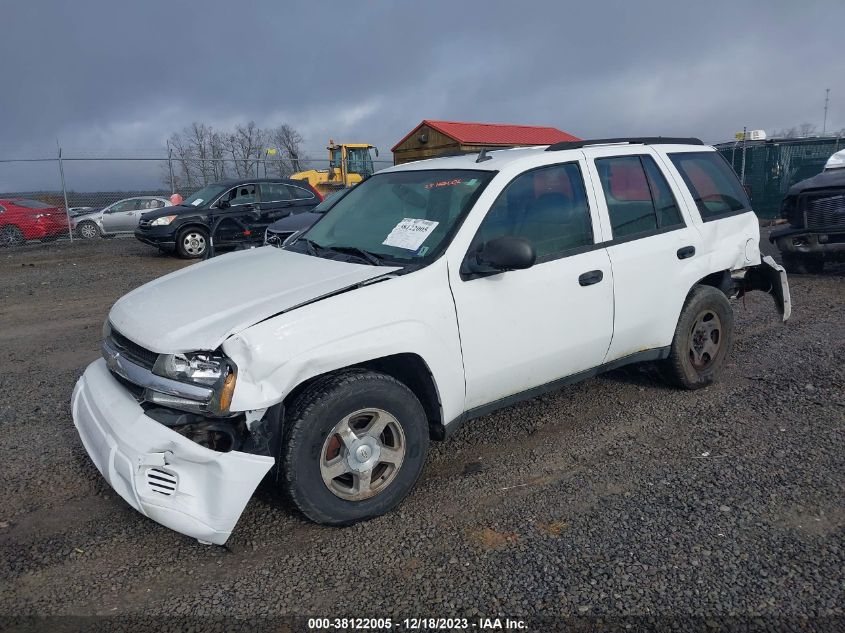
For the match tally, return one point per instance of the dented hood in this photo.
(198, 307)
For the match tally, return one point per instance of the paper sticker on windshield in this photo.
(444, 183)
(410, 233)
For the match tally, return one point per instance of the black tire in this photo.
(192, 242)
(801, 264)
(702, 341)
(11, 235)
(88, 230)
(309, 427)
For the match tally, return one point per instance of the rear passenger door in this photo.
(525, 328)
(652, 244)
(276, 201)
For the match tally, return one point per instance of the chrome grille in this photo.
(162, 481)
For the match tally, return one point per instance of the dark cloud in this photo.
(117, 78)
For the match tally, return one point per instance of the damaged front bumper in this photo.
(818, 243)
(162, 474)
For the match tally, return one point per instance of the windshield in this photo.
(402, 216)
(204, 195)
(358, 161)
(330, 200)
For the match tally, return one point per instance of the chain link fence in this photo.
(69, 198)
(769, 168)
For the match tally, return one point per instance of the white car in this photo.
(433, 293)
(119, 217)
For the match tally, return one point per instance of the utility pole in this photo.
(826, 100)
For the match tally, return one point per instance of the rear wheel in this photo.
(192, 243)
(355, 446)
(702, 340)
(10, 235)
(88, 230)
(801, 264)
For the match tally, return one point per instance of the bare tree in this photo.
(806, 129)
(202, 155)
(245, 146)
(801, 131)
(288, 143)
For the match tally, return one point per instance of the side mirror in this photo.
(223, 204)
(499, 255)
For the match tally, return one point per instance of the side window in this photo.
(242, 194)
(668, 213)
(274, 192)
(298, 193)
(627, 194)
(547, 206)
(123, 205)
(712, 183)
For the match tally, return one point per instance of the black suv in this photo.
(237, 211)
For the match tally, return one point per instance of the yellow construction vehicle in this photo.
(349, 164)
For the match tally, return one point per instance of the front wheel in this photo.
(702, 340)
(10, 235)
(88, 230)
(192, 243)
(355, 445)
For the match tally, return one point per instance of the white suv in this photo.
(434, 292)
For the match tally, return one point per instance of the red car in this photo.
(22, 220)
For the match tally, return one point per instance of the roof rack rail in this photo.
(634, 140)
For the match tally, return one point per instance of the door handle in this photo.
(590, 278)
(686, 252)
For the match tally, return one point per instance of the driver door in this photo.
(121, 216)
(525, 328)
(242, 201)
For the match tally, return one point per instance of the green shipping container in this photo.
(773, 166)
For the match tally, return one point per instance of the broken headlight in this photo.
(201, 367)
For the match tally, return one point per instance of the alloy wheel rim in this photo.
(87, 230)
(362, 454)
(705, 339)
(9, 236)
(194, 243)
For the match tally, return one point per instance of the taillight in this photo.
(319, 195)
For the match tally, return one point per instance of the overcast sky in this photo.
(117, 78)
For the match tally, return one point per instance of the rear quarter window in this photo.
(299, 193)
(712, 183)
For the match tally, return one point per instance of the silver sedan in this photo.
(119, 217)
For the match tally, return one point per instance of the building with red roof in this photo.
(440, 138)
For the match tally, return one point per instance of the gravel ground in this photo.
(616, 498)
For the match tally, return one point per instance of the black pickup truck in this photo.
(815, 210)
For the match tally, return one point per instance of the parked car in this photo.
(77, 211)
(237, 209)
(119, 217)
(22, 219)
(287, 229)
(815, 210)
(432, 293)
